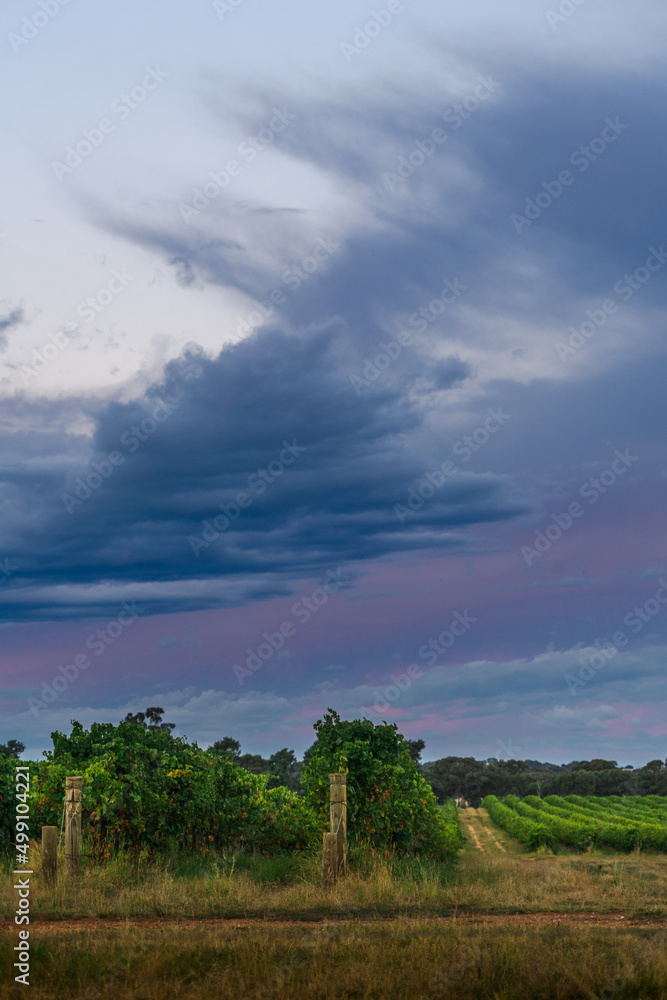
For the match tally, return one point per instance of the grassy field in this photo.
(499, 924)
(401, 960)
(488, 880)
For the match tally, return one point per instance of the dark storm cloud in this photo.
(365, 450)
(336, 464)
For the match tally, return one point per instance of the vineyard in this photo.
(583, 822)
(146, 793)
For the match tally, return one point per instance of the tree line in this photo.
(450, 777)
(472, 780)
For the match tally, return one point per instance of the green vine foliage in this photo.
(146, 791)
(7, 802)
(390, 805)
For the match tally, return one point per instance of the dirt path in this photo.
(470, 827)
(491, 831)
(487, 838)
(42, 927)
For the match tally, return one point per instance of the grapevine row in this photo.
(580, 823)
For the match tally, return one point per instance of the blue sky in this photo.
(360, 298)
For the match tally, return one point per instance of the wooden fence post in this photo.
(329, 860)
(50, 853)
(73, 807)
(338, 817)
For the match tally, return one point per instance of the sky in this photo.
(332, 369)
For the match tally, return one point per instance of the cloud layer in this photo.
(400, 341)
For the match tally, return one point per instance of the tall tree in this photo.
(227, 745)
(12, 748)
(151, 719)
(415, 748)
(283, 766)
(254, 763)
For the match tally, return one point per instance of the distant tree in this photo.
(227, 745)
(12, 748)
(652, 778)
(254, 763)
(538, 765)
(457, 777)
(509, 777)
(150, 719)
(654, 766)
(608, 781)
(595, 765)
(415, 748)
(309, 753)
(284, 769)
(470, 779)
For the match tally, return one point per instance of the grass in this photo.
(498, 924)
(288, 887)
(404, 960)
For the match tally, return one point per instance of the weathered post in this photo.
(338, 817)
(50, 853)
(73, 807)
(329, 860)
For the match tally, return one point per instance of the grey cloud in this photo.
(9, 321)
(331, 503)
